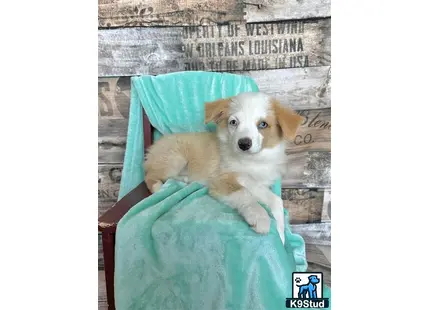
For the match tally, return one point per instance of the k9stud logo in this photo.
(307, 291)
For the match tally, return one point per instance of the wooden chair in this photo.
(109, 220)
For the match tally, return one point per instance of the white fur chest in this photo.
(264, 168)
(264, 174)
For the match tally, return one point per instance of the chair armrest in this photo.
(109, 220)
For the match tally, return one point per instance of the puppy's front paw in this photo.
(278, 213)
(156, 187)
(258, 219)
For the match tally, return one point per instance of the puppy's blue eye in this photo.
(233, 122)
(263, 125)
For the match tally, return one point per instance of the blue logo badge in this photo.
(307, 291)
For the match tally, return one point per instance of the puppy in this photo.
(239, 162)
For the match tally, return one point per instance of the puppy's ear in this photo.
(288, 119)
(216, 110)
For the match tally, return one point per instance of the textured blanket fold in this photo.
(180, 248)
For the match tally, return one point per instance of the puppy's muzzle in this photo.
(244, 144)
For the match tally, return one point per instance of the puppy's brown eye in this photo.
(233, 122)
(263, 125)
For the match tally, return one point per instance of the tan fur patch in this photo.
(224, 185)
(191, 155)
(272, 134)
(289, 120)
(217, 111)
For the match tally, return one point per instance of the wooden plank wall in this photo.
(151, 13)
(285, 46)
(233, 47)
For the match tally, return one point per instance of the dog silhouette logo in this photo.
(307, 291)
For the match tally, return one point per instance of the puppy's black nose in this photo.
(244, 144)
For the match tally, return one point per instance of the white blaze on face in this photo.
(245, 111)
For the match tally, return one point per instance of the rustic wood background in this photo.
(285, 46)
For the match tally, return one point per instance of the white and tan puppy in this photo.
(239, 162)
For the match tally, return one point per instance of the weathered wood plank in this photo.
(286, 44)
(314, 233)
(102, 291)
(314, 133)
(108, 182)
(308, 170)
(319, 254)
(114, 97)
(299, 88)
(131, 51)
(303, 205)
(112, 140)
(101, 263)
(132, 13)
(114, 106)
(326, 210)
(234, 47)
(273, 10)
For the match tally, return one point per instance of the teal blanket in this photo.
(180, 248)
